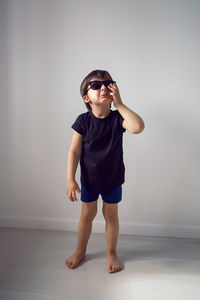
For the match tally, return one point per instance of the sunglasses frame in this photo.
(102, 82)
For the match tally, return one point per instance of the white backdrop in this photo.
(151, 48)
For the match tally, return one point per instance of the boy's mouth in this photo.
(105, 95)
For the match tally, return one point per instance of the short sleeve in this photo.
(120, 121)
(78, 125)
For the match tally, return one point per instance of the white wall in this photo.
(151, 48)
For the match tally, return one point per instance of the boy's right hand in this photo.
(72, 187)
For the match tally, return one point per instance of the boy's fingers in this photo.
(74, 195)
(78, 190)
(71, 196)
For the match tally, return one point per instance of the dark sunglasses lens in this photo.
(108, 82)
(95, 85)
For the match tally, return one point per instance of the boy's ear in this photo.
(86, 98)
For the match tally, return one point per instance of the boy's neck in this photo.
(101, 111)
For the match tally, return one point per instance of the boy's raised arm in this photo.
(132, 122)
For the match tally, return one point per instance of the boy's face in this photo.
(98, 97)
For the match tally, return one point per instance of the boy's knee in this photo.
(109, 217)
(110, 212)
(89, 215)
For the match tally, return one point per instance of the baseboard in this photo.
(99, 227)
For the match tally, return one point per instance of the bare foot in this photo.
(73, 261)
(113, 264)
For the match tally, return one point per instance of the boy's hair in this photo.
(101, 74)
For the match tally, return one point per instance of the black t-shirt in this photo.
(101, 161)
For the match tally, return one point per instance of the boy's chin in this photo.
(107, 100)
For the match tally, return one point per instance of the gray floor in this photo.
(32, 266)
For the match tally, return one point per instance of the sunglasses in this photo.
(96, 84)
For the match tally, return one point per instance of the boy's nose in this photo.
(103, 87)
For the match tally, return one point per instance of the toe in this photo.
(67, 263)
(113, 268)
(70, 263)
(109, 269)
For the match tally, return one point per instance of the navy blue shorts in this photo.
(114, 196)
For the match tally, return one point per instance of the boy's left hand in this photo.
(115, 94)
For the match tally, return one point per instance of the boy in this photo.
(97, 142)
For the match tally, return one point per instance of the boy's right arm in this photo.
(72, 163)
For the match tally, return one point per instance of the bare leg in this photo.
(88, 213)
(110, 212)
